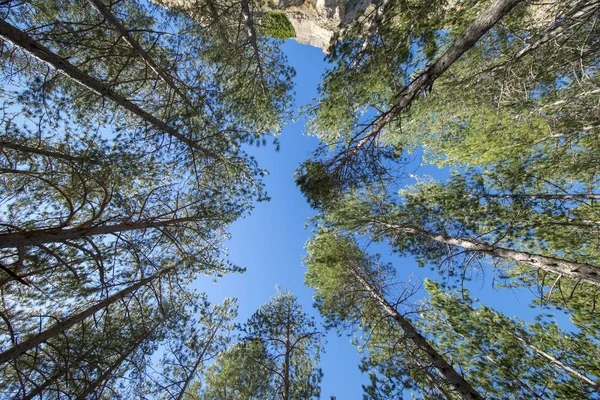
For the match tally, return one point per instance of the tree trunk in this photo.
(576, 271)
(41, 388)
(60, 327)
(252, 37)
(42, 152)
(23, 41)
(200, 359)
(541, 196)
(553, 360)
(53, 378)
(103, 377)
(579, 12)
(467, 39)
(437, 360)
(371, 30)
(286, 364)
(37, 237)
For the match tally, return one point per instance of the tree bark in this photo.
(553, 360)
(252, 37)
(40, 389)
(371, 30)
(23, 41)
(42, 152)
(576, 271)
(459, 383)
(107, 374)
(542, 196)
(53, 378)
(42, 236)
(467, 39)
(286, 364)
(575, 16)
(60, 327)
(200, 359)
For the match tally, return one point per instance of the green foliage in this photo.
(315, 184)
(292, 343)
(276, 25)
(242, 372)
(125, 196)
(327, 263)
(189, 347)
(504, 355)
(365, 73)
(517, 116)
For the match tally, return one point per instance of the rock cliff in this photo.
(315, 21)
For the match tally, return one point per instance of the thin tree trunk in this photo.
(40, 389)
(569, 20)
(434, 382)
(60, 327)
(467, 39)
(286, 365)
(42, 236)
(23, 41)
(576, 271)
(200, 359)
(42, 152)
(216, 20)
(542, 196)
(368, 36)
(548, 356)
(571, 371)
(437, 360)
(107, 374)
(286, 374)
(522, 384)
(252, 37)
(53, 378)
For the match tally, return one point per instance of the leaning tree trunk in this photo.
(62, 326)
(540, 196)
(104, 376)
(23, 41)
(42, 388)
(199, 361)
(4, 144)
(247, 15)
(437, 360)
(467, 39)
(64, 370)
(42, 236)
(577, 271)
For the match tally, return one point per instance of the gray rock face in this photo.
(315, 21)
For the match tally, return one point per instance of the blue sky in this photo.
(270, 242)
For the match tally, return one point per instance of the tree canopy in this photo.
(125, 154)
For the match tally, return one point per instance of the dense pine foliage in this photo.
(123, 160)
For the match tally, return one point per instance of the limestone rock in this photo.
(315, 21)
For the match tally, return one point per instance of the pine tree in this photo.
(292, 344)
(351, 290)
(506, 355)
